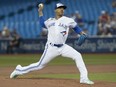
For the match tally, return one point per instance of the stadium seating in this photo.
(23, 16)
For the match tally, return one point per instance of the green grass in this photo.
(110, 77)
(95, 59)
(100, 59)
(13, 60)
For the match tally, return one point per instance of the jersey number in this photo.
(63, 33)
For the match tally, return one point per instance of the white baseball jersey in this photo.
(58, 29)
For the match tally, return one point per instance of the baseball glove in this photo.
(81, 39)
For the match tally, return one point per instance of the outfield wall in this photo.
(91, 45)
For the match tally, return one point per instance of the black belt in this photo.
(57, 45)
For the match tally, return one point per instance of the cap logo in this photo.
(59, 4)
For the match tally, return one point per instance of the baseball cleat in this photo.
(89, 82)
(15, 73)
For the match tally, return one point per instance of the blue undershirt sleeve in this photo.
(77, 29)
(41, 21)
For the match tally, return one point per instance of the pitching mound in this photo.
(26, 81)
(47, 82)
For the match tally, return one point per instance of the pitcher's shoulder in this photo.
(67, 18)
(50, 19)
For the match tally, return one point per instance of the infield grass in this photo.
(95, 59)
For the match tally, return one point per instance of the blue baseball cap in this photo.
(60, 5)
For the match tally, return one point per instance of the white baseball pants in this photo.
(51, 52)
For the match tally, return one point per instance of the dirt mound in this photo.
(47, 82)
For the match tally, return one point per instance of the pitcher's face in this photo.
(59, 11)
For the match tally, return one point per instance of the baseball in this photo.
(3, 33)
(40, 5)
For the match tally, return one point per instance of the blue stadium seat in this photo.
(27, 24)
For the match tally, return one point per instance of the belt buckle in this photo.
(51, 44)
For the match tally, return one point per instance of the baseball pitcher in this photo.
(58, 28)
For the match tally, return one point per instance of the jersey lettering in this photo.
(62, 25)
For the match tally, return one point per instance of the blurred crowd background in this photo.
(20, 17)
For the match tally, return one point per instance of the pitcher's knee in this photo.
(77, 55)
(40, 67)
